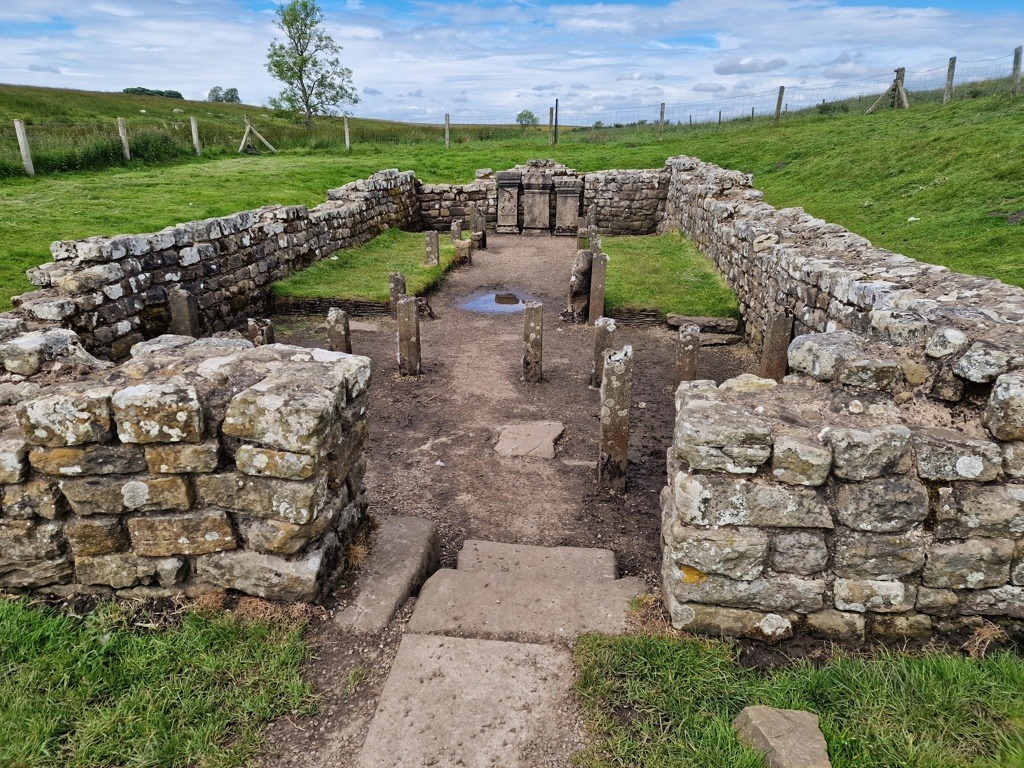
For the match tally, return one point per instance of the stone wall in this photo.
(196, 465)
(440, 204)
(116, 291)
(626, 202)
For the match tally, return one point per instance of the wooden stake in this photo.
(896, 93)
(661, 121)
(348, 140)
(122, 131)
(26, 153)
(249, 130)
(195, 137)
(947, 94)
(1016, 69)
(778, 103)
(447, 131)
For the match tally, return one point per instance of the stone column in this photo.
(397, 283)
(687, 349)
(508, 202)
(592, 215)
(339, 338)
(567, 205)
(593, 239)
(616, 394)
(259, 331)
(775, 353)
(533, 341)
(433, 249)
(184, 311)
(581, 233)
(537, 204)
(598, 271)
(463, 252)
(604, 339)
(456, 229)
(408, 336)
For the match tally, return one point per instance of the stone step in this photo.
(404, 552)
(515, 606)
(576, 563)
(474, 704)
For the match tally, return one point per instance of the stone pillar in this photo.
(593, 239)
(775, 353)
(687, 349)
(579, 288)
(184, 313)
(508, 202)
(339, 338)
(592, 215)
(604, 339)
(537, 204)
(433, 249)
(456, 229)
(616, 394)
(408, 336)
(581, 233)
(463, 252)
(397, 282)
(567, 205)
(598, 271)
(477, 227)
(533, 341)
(259, 331)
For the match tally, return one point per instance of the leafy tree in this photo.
(526, 118)
(215, 94)
(139, 91)
(307, 62)
(231, 96)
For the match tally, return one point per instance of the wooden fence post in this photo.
(195, 137)
(661, 121)
(447, 131)
(348, 139)
(26, 153)
(947, 94)
(551, 125)
(122, 131)
(1016, 69)
(778, 103)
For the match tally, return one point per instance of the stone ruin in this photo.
(876, 492)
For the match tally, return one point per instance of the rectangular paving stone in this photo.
(541, 562)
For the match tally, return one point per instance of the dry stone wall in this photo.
(626, 202)
(440, 204)
(196, 465)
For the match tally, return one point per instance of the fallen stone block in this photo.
(788, 738)
(533, 438)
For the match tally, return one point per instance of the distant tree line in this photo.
(137, 91)
(229, 95)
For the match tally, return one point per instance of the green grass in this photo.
(106, 690)
(660, 702)
(664, 272)
(952, 167)
(362, 272)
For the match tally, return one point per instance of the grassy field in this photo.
(956, 170)
(362, 272)
(114, 689)
(662, 702)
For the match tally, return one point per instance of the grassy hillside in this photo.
(956, 170)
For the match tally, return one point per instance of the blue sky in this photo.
(417, 59)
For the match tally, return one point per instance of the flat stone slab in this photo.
(788, 738)
(706, 324)
(538, 562)
(530, 438)
(363, 326)
(471, 703)
(513, 606)
(404, 552)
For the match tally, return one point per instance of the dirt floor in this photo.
(432, 454)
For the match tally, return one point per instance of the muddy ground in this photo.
(431, 454)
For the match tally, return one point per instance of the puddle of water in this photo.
(497, 302)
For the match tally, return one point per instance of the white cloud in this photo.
(746, 66)
(709, 87)
(44, 68)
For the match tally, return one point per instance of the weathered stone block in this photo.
(738, 553)
(968, 510)
(822, 355)
(122, 570)
(943, 454)
(946, 342)
(863, 454)
(971, 564)
(886, 505)
(119, 494)
(99, 535)
(837, 626)
(189, 533)
(1013, 460)
(36, 498)
(182, 458)
(778, 593)
(94, 460)
(721, 500)
(71, 415)
(13, 459)
(862, 596)
(269, 576)
(32, 554)
(713, 435)
(1002, 601)
(266, 462)
(730, 622)
(900, 627)
(936, 602)
(1004, 415)
(800, 461)
(277, 537)
(292, 501)
(800, 552)
(983, 362)
(871, 374)
(878, 555)
(788, 738)
(166, 411)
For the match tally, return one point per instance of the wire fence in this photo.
(48, 146)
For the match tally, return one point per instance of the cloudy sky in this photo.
(417, 59)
